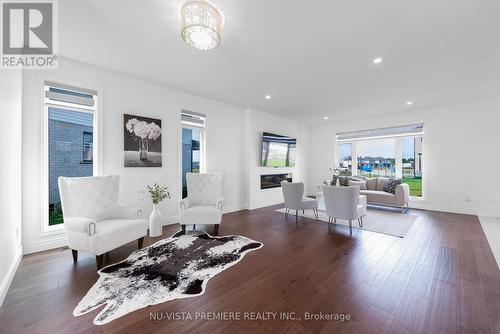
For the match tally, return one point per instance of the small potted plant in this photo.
(157, 194)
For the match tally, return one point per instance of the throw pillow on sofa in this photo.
(361, 184)
(343, 181)
(371, 183)
(391, 185)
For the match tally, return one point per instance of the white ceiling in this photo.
(313, 57)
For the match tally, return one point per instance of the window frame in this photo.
(398, 157)
(203, 145)
(187, 125)
(43, 156)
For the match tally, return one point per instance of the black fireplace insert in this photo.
(274, 180)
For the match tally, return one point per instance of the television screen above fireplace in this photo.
(277, 151)
(274, 180)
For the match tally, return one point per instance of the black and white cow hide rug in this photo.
(172, 268)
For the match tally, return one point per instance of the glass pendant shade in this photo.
(201, 25)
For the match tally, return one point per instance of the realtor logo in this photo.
(28, 34)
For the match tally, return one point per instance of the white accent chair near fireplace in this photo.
(204, 203)
(344, 203)
(93, 220)
(293, 194)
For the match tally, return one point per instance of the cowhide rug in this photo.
(172, 268)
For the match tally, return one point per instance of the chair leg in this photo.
(296, 216)
(140, 241)
(303, 212)
(98, 260)
(75, 255)
(329, 223)
(350, 226)
(217, 229)
(183, 229)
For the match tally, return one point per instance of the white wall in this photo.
(233, 137)
(121, 94)
(256, 123)
(461, 154)
(10, 177)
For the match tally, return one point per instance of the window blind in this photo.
(61, 94)
(195, 118)
(396, 131)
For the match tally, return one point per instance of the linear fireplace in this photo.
(274, 180)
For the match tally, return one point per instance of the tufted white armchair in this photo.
(204, 203)
(93, 220)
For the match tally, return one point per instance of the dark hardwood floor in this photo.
(441, 278)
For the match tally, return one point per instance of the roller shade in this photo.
(396, 131)
(56, 93)
(192, 117)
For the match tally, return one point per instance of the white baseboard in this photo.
(491, 228)
(4, 288)
(431, 207)
(235, 209)
(263, 205)
(45, 245)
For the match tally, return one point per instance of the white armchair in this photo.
(93, 220)
(293, 194)
(344, 203)
(204, 203)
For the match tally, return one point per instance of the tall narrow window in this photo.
(70, 134)
(193, 144)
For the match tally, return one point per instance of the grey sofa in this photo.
(375, 193)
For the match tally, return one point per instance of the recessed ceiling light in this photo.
(409, 103)
(377, 60)
(325, 118)
(268, 97)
